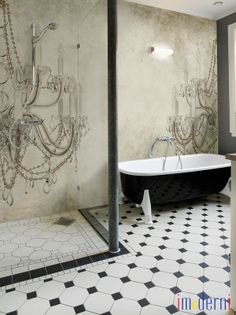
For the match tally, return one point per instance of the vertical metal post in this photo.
(112, 128)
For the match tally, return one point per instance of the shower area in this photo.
(53, 135)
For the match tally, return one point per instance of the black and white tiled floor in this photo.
(35, 243)
(184, 253)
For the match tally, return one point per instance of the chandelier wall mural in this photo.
(196, 132)
(40, 114)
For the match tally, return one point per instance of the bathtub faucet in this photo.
(167, 139)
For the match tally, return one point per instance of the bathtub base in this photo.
(174, 188)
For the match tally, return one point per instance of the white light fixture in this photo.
(161, 52)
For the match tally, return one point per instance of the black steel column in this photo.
(112, 127)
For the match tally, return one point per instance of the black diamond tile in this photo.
(134, 225)
(227, 269)
(117, 296)
(154, 221)
(203, 265)
(180, 261)
(54, 302)
(147, 235)
(143, 302)
(172, 217)
(187, 225)
(12, 313)
(102, 274)
(188, 219)
(47, 280)
(189, 213)
(202, 295)
(204, 227)
(184, 240)
(159, 257)
(125, 279)
(223, 237)
(111, 262)
(183, 250)
(139, 219)
(172, 309)
(131, 266)
(151, 228)
(154, 270)
(124, 217)
(139, 254)
(178, 274)
(126, 241)
(107, 313)
(92, 290)
(165, 238)
(10, 290)
(204, 220)
(175, 290)
(69, 284)
(227, 283)
(225, 246)
(222, 229)
(130, 233)
(203, 253)
(203, 279)
(221, 222)
(170, 223)
(162, 247)
(31, 295)
(186, 232)
(168, 230)
(204, 234)
(204, 243)
(142, 244)
(79, 309)
(225, 256)
(149, 284)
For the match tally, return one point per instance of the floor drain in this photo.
(64, 221)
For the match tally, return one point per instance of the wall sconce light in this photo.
(162, 52)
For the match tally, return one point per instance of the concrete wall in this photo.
(227, 143)
(144, 86)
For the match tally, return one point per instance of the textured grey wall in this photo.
(227, 143)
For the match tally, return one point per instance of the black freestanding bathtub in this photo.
(200, 175)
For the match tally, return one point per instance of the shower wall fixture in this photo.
(41, 123)
(196, 132)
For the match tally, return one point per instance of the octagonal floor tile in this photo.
(125, 306)
(98, 303)
(117, 270)
(109, 285)
(134, 290)
(61, 310)
(168, 265)
(160, 296)
(11, 301)
(146, 262)
(74, 296)
(164, 279)
(193, 270)
(153, 309)
(140, 275)
(86, 279)
(36, 306)
(190, 284)
(50, 290)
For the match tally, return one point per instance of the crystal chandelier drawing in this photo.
(196, 132)
(41, 124)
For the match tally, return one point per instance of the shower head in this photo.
(51, 26)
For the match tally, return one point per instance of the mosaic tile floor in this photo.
(184, 253)
(39, 242)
